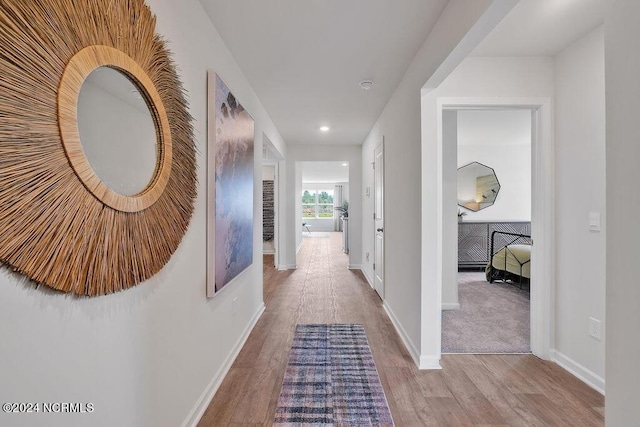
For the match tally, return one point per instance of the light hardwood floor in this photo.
(470, 390)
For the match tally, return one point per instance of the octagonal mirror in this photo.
(478, 186)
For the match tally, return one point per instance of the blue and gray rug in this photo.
(331, 379)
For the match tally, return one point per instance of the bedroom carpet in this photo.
(493, 318)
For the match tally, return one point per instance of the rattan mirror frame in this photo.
(76, 72)
(58, 226)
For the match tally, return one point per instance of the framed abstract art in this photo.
(230, 174)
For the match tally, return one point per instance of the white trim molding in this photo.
(366, 276)
(429, 362)
(354, 267)
(413, 351)
(542, 219)
(451, 306)
(585, 375)
(207, 395)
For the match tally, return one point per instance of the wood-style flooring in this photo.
(470, 390)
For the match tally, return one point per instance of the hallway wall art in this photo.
(230, 176)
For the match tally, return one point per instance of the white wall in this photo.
(323, 153)
(622, 65)
(580, 189)
(449, 194)
(500, 139)
(461, 24)
(146, 356)
(268, 172)
(479, 78)
(578, 79)
(297, 230)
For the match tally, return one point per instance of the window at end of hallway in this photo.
(317, 204)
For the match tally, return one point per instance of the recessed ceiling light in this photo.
(366, 84)
(324, 128)
(345, 164)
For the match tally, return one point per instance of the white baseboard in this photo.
(283, 267)
(268, 252)
(207, 395)
(366, 276)
(429, 362)
(413, 351)
(299, 246)
(577, 370)
(355, 267)
(451, 306)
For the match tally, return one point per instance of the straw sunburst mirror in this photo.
(60, 224)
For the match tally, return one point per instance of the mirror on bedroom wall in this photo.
(117, 131)
(478, 186)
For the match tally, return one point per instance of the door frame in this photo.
(276, 210)
(380, 147)
(542, 212)
(276, 159)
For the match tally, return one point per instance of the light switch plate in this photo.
(595, 328)
(594, 221)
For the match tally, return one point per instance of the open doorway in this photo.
(322, 205)
(487, 309)
(439, 223)
(268, 210)
(271, 183)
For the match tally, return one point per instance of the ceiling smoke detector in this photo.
(366, 84)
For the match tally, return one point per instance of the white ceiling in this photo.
(324, 172)
(305, 58)
(542, 27)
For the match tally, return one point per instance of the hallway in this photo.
(470, 390)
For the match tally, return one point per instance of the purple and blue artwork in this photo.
(234, 164)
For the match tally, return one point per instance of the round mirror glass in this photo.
(117, 131)
(478, 186)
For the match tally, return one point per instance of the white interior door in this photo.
(378, 266)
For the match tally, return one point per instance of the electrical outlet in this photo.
(595, 328)
(367, 256)
(234, 306)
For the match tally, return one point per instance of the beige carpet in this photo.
(493, 318)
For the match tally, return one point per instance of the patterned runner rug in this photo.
(331, 379)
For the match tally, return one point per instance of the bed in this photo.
(510, 258)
